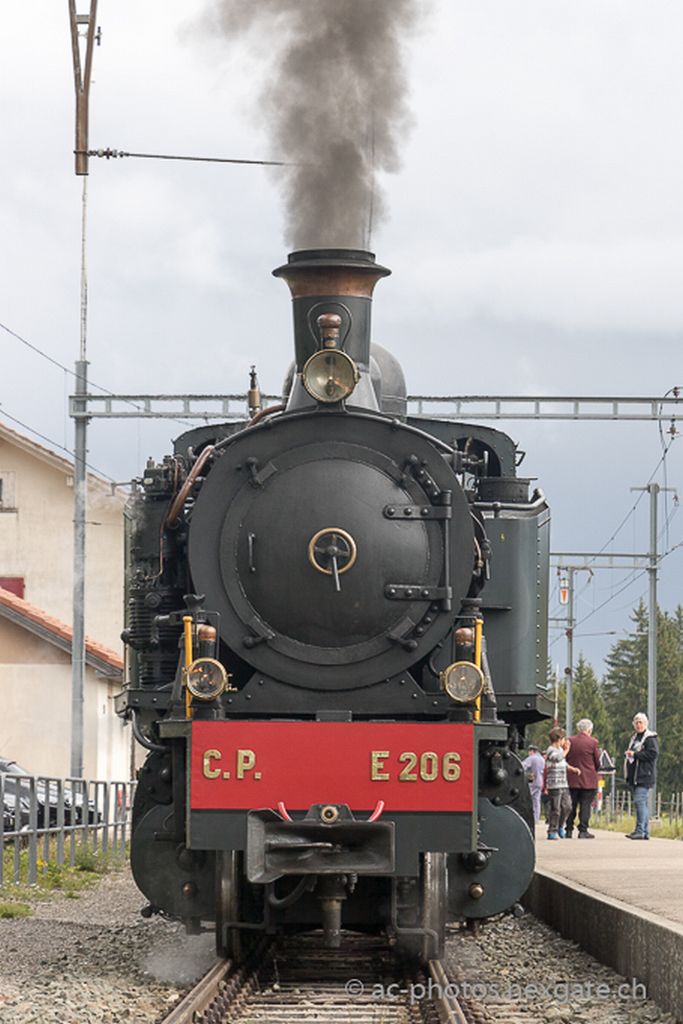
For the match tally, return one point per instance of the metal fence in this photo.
(618, 802)
(47, 820)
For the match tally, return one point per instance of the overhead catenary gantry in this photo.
(454, 407)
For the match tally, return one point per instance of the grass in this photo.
(9, 909)
(660, 828)
(18, 897)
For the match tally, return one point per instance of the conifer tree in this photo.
(625, 688)
(589, 702)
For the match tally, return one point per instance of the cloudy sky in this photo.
(535, 232)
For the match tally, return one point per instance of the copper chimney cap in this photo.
(313, 272)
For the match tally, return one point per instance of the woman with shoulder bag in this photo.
(640, 771)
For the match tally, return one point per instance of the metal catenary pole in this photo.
(591, 560)
(82, 78)
(569, 670)
(653, 490)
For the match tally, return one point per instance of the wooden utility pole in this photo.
(82, 76)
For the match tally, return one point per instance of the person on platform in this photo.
(640, 770)
(584, 753)
(534, 766)
(556, 782)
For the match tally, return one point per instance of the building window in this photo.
(7, 491)
(15, 585)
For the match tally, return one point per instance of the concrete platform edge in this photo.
(631, 941)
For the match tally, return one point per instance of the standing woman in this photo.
(640, 770)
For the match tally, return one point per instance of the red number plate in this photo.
(410, 766)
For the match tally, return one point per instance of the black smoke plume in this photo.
(335, 104)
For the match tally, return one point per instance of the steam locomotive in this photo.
(336, 636)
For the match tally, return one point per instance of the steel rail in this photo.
(201, 996)
(451, 1010)
(270, 988)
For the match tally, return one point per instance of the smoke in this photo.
(335, 104)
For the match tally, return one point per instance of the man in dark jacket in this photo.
(641, 772)
(584, 753)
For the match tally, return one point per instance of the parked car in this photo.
(94, 816)
(47, 794)
(14, 817)
(47, 797)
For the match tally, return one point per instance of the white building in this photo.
(36, 558)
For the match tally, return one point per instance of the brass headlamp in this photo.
(206, 678)
(330, 375)
(463, 681)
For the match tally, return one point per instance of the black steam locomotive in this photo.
(336, 635)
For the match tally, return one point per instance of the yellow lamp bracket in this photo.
(464, 680)
(188, 629)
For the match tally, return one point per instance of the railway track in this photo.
(296, 981)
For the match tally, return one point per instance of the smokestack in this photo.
(332, 302)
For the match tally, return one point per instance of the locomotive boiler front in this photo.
(330, 563)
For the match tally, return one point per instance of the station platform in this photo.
(621, 901)
(646, 875)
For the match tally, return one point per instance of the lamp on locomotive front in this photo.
(332, 302)
(330, 375)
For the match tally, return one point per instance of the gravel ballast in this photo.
(95, 960)
(519, 971)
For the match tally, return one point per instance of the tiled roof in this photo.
(37, 621)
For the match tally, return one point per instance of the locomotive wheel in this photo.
(424, 905)
(228, 883)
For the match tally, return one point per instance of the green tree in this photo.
(589, 702)
(538, 732)
(625, 688)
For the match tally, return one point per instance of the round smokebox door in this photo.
(312, 555)
(316, 585)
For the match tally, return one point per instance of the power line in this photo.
(55, 444)
(620, 590)
(38, 351)
(672, 430)
(66, 369)
(671, 550)
(637, 501)
(628, 583)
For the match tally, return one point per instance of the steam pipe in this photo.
(182, 494)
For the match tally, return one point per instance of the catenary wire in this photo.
(672, 430)
(640, 497)
(72, 373)
(627, 584)
(633, 576)
(55, 444)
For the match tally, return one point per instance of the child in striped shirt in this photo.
(556, 782)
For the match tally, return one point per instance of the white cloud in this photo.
(632, 285)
